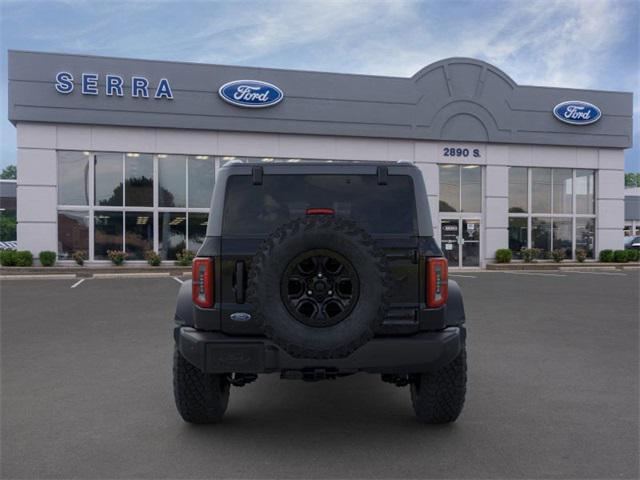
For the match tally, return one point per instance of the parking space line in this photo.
(598, 273)
(78, 283)
(463, 276)
(178, 280)
(538, 274)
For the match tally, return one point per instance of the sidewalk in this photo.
(95, 271)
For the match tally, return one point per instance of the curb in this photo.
(93, 272)
(562, 266)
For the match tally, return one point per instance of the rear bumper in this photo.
(214, 352)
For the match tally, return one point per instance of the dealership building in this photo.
(122, 154)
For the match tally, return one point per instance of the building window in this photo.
(541, 190)
(518, 190)
(562, 190)
(138, 237)
(518, 235)
(73, 232)
(172, 178)
(200, 170)
(585, 192)
(554, 207)
(172, 231)
(73, 178)
(108, 233)
(460, 188)
(133, 202)
(138, 175)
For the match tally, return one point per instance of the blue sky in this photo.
(569, 43)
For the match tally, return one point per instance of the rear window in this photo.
(259, 209)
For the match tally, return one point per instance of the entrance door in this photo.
(461, 241)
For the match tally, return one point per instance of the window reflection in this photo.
(138, 234)
(201, 179)
(172, 234)
(586, 234)
(541, 190)
(73, 178)
(541, 235)
(108, 179)
(139, 180)
(197, 230)
(73, 233)
(172, 171)
(585, 191)
(471, 178)
(108, 233)
(562, 235)
(517, 235)
(449, 188)
(518, 190)
(562, 190)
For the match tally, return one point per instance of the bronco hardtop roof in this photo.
(324, 163)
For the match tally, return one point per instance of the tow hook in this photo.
(397, 380)
(241, 379)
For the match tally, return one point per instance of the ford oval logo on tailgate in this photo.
(250, 93)
(577, 112)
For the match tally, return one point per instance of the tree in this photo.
(632, 180)
(9, 173)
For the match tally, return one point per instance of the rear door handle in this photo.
(240, 282)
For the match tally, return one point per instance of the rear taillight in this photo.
(437, 282)
(320, 211)
(202, 286)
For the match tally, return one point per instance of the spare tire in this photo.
(319, 287)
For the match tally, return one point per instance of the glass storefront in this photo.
(551, 209)
(133, 202)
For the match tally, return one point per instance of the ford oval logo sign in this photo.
(577, 112)
(250, 93)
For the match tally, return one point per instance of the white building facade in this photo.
(112, 170)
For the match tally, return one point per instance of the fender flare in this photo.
(184, 306)
(454, 315)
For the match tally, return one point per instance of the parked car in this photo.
(314, 272)
(632, 242)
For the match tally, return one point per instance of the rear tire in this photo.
(200, 397)
(438, 397)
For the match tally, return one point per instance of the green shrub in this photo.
(558, 255)
(153, 258)
(8, 258)
(117, 256)
(620, 256)
(503, 255)
(47, 258)
(527, 255)
(606, 255)
(633, 255)
(581, 254)
(24, 258)
(79, 256)
(185, 258)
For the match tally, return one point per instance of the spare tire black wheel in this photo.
(319, 287)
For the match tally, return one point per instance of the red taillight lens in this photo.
(437, 282)
(320, 211)
(202, 283)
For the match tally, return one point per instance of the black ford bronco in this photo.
(318, 271)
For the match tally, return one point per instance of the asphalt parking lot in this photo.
(552, 393)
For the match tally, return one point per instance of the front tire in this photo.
(200, 397)
(438, 397)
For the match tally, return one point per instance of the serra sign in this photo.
(113, 85)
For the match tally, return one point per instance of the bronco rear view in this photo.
(317, 271)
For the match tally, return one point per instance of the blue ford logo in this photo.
(576, 112)
(250, 93)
